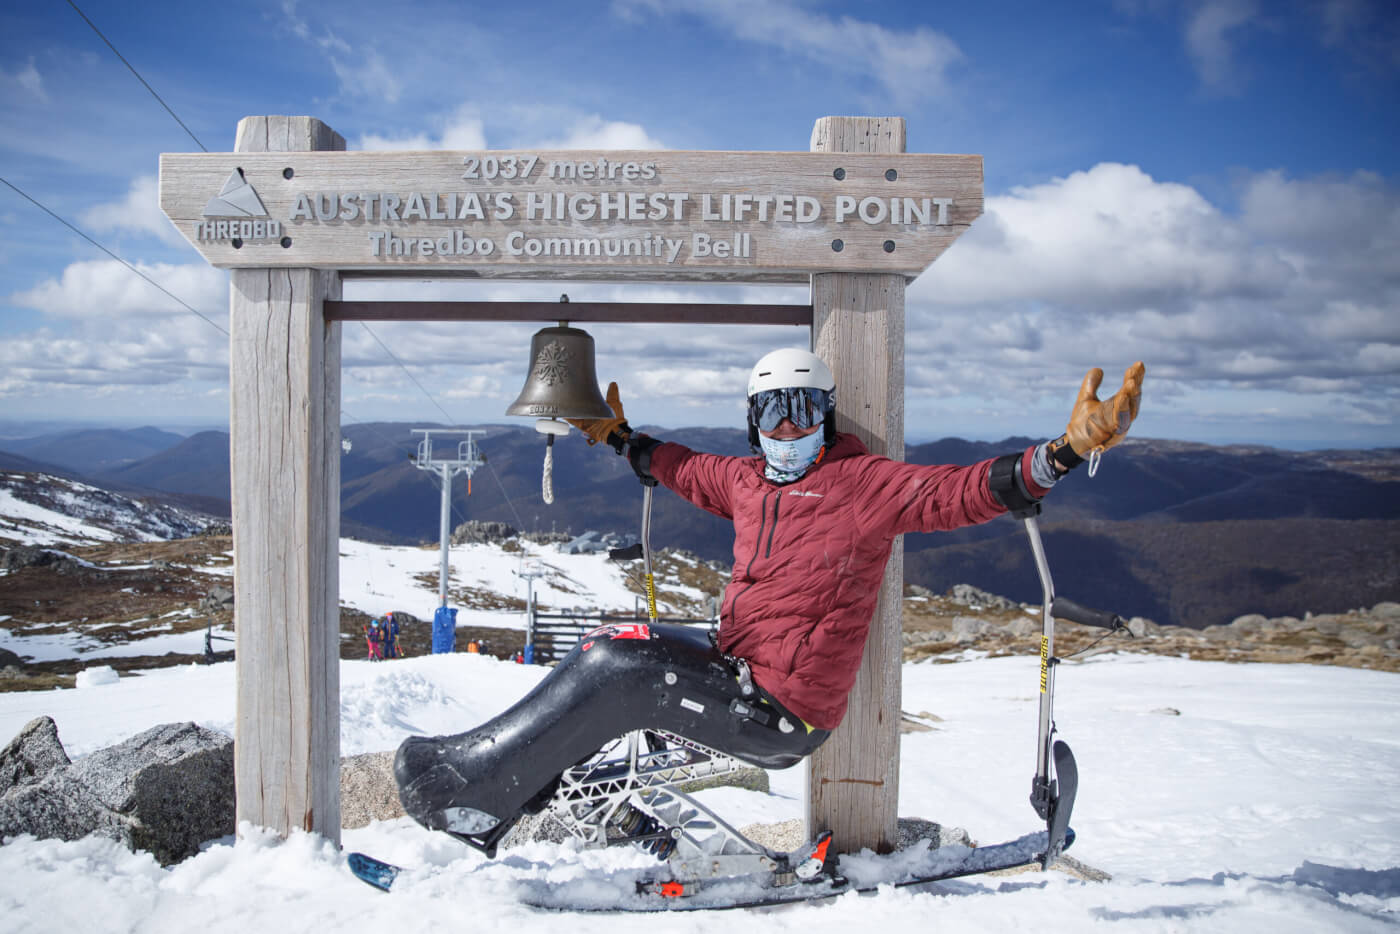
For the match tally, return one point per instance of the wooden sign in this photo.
(721, 216)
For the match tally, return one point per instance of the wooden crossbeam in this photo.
(630, 312)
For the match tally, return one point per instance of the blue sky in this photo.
(1207, 185)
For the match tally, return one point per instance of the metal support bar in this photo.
(631, 312)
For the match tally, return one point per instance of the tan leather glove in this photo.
(611, 431)
(1095, 425)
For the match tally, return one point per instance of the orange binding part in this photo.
(823, 842)
(671, 889)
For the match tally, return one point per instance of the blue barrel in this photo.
(444, 629)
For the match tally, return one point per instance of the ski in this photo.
(1067, 783)
(739, 893)
(373, 871)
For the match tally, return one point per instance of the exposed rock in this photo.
(33, 753)
(536, 828)
(1252, 622)
(476, 531)
(1327, 625)
(1386, 610)
(940, 628)
(911, 830)
(968, 628)
(968, 595)
(368, 791)
(165, 791)
(1140, 627)
(1025, 626)
(218, 599)
(9, 659)
(31, 556)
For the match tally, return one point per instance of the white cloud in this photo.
(909, 63)
(139, 211)
(1108, 235)
(593, 132)
(28, 80)
(465, 130)
(1292, 296)
(1331, 219)
(1208, 41)
(361, 71)
(462, 130)
(105, 289)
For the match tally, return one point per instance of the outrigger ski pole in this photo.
(1053, 798)
(648, 487)
(643, 548)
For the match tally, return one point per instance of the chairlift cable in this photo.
(186, 305)
(133, 70)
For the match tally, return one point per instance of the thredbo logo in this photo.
(237, 207)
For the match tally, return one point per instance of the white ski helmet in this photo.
(790, 368)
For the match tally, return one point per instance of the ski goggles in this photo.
(805, 407)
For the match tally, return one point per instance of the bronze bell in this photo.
(562, 382)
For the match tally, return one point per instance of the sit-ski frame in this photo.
(641, 770)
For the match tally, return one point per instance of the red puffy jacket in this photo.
(809, 555)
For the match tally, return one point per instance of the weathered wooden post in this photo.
(284, 428)
(858, 329)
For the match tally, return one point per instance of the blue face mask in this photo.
(788, 460)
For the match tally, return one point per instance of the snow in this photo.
(1221, 797)
(85, 514)
(95, 676)
(63, 643)
(377, 579)
(1224, 817)
(34, 525)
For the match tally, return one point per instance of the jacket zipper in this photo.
(768, 550)
(748, 569)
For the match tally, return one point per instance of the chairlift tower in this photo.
(529, 570)
(468, 459)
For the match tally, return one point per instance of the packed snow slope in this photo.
(1220, 797)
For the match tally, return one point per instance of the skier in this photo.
(374, 641)
(814, 517)
(391, 636)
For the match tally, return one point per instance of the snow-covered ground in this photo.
(37, 509)
(1220, 797)
(379, 578)
(1225, 816)
(374, 579)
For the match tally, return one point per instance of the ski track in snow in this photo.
(1267, 804)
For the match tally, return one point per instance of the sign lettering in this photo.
(666, 215)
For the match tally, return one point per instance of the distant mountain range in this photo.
(1177, 532)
